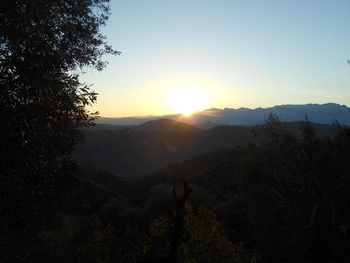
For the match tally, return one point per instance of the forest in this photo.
(283, 198)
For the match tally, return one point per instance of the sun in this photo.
(186, 99)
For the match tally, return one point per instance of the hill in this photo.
(140, 149)
(285, 197)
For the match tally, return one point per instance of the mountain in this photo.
(127, 121)
(317, 113)
(167, 125)
(139, 149)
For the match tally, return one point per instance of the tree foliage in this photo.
(205, 239)
(76, 240)
(43, 45)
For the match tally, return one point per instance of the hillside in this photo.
(136, 150)
(283, 199)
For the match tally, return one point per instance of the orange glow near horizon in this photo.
(166, 95)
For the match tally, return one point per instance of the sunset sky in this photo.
(179, 56)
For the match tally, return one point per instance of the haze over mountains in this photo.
(135, 149)
(317, 113)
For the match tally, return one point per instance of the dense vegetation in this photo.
(285, 200)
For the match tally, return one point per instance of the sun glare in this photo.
(186, 100)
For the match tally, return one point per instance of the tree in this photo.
(43, 45)
(307, 131)
(298, 202)
(204, 239)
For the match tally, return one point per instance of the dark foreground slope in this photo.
(287, 198)
(284, 200)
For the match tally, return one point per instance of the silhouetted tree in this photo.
(43, 44)
(272, 126)
(177, 229)
(307, 131)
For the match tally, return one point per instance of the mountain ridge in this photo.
(317, 113)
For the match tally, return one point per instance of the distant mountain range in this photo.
(140, 149)
(317, 113)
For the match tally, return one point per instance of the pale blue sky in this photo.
(240, 53)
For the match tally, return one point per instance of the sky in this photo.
(183, 55)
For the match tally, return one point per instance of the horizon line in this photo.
(219, 108)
